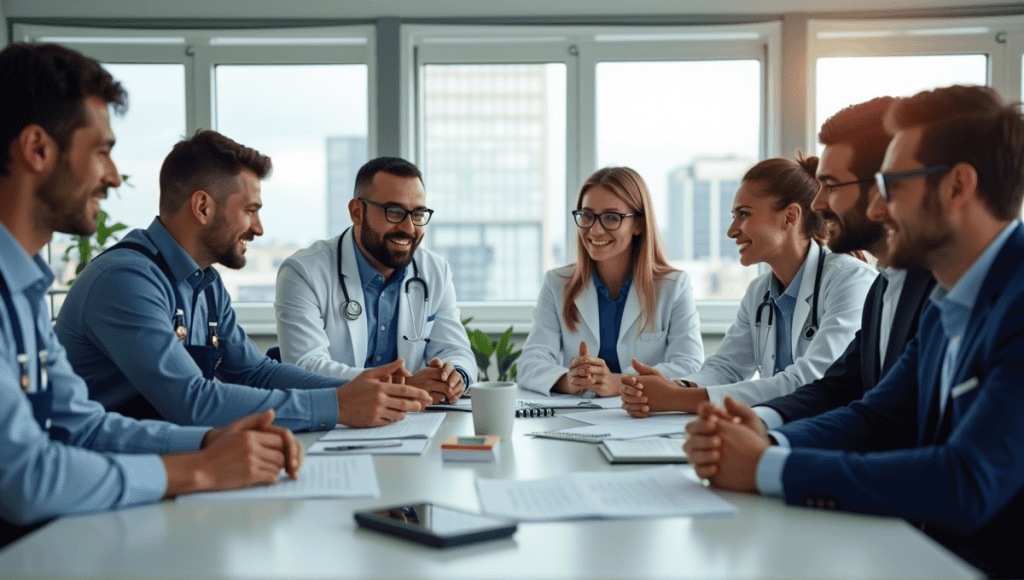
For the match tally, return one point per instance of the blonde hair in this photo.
(647, 253)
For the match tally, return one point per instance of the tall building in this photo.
(345, 155)
(700, 199)
(485, 164)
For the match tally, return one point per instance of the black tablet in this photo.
(435, 525)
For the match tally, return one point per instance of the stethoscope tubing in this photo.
(810, 328)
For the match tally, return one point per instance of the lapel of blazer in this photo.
(350, 271)
(870, 323)
(630, 314)
(916, 288)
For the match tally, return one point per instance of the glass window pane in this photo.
(312, 121)
(154, 122)
(494, 164)
(844, 81)
(691, 146)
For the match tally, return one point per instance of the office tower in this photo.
(486, 169)
(345, 155)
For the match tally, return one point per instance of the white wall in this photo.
(3, 28)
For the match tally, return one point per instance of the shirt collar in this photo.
(794, 287)
(604, 292)
(20, 270)
(368, 275)
(182, 266)
(966, 290)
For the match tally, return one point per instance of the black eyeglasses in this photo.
(832, 187)
(610, 220)
(396, 213)
(884, 179)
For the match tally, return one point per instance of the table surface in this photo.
(320, 539)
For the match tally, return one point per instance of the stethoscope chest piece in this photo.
(351, 310)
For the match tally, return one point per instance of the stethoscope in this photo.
(810, 327)
(352, 309)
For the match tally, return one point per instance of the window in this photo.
(301, 96)
(509, 121)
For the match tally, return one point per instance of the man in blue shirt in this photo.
(149, 325)
(61, 453)
(939, 440)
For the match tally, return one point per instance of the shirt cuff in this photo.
(772, 419)
(780, 439)
(324, 404)
(145, 478)
(186, 439)
(465, 377)
(769, 471)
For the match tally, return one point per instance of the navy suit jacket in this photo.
(889, 453)
(858, 369)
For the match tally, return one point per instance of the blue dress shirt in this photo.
(610, 315)
(381, 298)
(102, 466)
(784, 306)
(117, 326)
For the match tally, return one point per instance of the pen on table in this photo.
(366, 445)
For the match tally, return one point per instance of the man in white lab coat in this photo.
(390, 299)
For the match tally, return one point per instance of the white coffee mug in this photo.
(494, 408)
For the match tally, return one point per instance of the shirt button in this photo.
(383, 328)
(378, 358)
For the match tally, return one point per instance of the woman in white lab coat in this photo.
(621, 300)
(793, 322)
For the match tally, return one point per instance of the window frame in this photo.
(580, 49)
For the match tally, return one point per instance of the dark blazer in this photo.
(858, 369)
(961, 476)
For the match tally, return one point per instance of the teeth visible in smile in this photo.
(401, 242)
(596, 243)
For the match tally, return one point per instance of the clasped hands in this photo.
(384, 394)
(726, 443)
(650, 392)
(590, 373)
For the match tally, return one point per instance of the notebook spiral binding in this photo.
(529, 409)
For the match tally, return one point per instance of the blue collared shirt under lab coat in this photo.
(381, 299)
(609, 313)
(784, 306)
(955, 308)
(109, 461)
(117, 326)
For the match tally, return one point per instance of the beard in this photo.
(912, 248)
(855, 230)
(377, 246)
(68, 204)
(223, 245)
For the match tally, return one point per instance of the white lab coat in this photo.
(672, 343)
(315, 336)
(845, 281)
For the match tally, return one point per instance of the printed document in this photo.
(414, 426)
(656, 492)
(333, 476)
(626, 429)
(615, 415)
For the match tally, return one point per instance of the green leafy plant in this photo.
(484, 348)
(86, 246)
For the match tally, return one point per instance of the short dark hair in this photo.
(46, 85)
(786, 182)
(969, 124)
(862, 127)
(391, 165)
(208, 161)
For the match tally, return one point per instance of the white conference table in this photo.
(319, 538)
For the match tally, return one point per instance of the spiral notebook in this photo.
(547, 407)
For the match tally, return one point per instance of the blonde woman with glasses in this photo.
(620, 301)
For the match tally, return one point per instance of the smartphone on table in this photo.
(435, 525)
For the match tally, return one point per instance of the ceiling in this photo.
(492, 9)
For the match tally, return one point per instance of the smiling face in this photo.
(388, 246)
(603, 245)
(759, 230)
(915, 224)
(72, 193)
(236, 222)
(845, 207)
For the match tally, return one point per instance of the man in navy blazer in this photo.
(855, 141)
(940, 440)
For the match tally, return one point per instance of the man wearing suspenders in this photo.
(61, 453)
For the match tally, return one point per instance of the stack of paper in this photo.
(320, 477)
(657, 492)
(414, 431)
